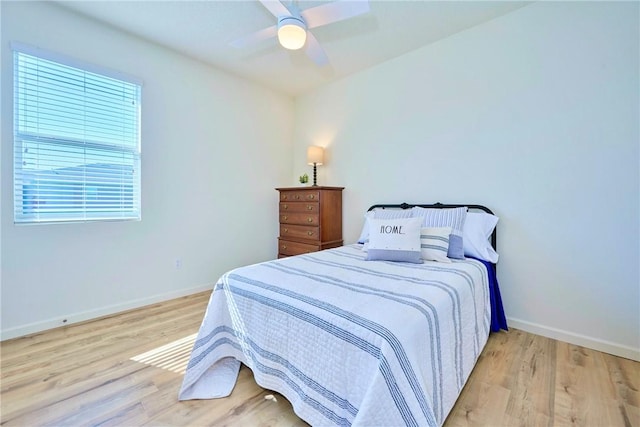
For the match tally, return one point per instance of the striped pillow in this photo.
(453, 218)
(434, 243)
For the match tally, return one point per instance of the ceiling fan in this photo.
(293, 25)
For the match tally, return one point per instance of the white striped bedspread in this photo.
(346, 341)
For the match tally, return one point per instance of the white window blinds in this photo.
(76, 143)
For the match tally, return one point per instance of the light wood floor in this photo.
(126, 370)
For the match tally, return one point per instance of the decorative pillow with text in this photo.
(380, 213)
(394, 240)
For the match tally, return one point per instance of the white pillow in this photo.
(364, 234)
(381, 214)
(394, 240)
(434, 243)
(477, 231)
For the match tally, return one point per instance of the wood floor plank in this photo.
(69, 375)
(534, 384)
(63, 359)
(42, 342)
(126, 370)
(583, 370)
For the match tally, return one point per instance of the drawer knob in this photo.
(285, 217)
(312, 196)
(285, 206)
(286, 230)
(284, 246)
(309, 207)
(310, 233)
(284, 197)
(309, 219)
(297, 196)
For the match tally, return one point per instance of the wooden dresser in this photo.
(310, 219)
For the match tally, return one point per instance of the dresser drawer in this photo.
(299, 232)
(310, 207)
(300, 196)
(299, 218)
(289, 248)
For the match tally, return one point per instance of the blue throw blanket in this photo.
(498, 319)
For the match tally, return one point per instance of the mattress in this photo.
(346, 341)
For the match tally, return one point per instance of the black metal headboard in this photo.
(441, 206)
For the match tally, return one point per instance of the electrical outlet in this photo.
(178, 263)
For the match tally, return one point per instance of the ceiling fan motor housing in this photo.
(292, 32)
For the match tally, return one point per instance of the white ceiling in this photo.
(203, 30)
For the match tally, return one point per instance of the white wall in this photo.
(208, 194)
(534, 114)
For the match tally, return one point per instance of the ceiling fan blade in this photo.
(276, 8)
(256, 37)
(315, 51)
(334, 12)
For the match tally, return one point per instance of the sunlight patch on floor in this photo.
(172, 357)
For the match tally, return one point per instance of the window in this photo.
(76, 142)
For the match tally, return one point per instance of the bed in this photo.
(346, 340)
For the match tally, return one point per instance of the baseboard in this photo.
(534, 328)
(70, 319)
(577, 339)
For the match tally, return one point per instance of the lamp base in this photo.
(314, 176)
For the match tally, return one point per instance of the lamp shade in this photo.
(292, 32)
(315, 155)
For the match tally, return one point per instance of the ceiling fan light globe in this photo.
(292, 33)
